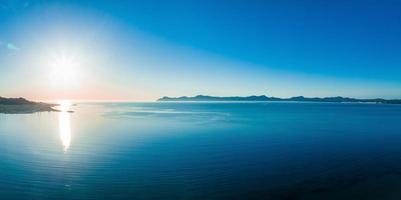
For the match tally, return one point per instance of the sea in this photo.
(202, 151)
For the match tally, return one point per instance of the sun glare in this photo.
(64, 105)
(64, 71)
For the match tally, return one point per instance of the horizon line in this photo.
(156, 100)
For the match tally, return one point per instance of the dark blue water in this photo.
(203, 151)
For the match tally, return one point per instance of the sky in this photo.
(143, 50)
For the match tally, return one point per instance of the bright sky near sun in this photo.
(143, 50)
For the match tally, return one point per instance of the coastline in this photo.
(23, 106)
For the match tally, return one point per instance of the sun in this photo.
(64, 71)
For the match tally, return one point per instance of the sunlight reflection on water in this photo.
(64, 124)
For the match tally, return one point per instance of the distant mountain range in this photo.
(293, 99)
(21, 105)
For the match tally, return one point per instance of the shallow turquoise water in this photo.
(203, 151)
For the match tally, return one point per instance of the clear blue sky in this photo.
(142, 50)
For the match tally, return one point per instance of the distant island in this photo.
(21, 105)
(292, 99)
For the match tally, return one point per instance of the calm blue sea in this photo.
(216, 151)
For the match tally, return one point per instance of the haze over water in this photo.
(203, 151)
